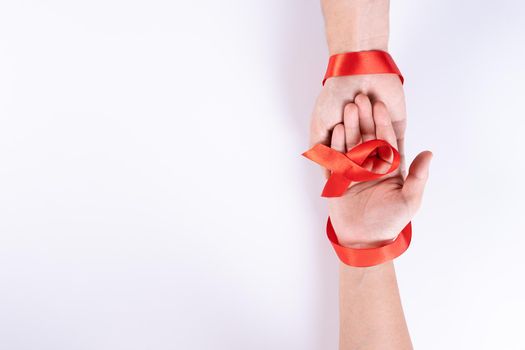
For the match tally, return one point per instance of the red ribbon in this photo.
(366, 257)
(347, 168)
(361, 62)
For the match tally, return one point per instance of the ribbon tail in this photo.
(327, 157)
(336, 185)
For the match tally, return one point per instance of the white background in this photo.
(152, 195)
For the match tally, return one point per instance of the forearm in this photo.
(356, 25)
(371, 315)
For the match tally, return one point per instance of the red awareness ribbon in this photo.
(361, 62)
(347, 168)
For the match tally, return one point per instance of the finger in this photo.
(416, 180)
(326, 115)
(401, 150)
(383, 125)
(399, 124)
(338, 138)
(384, 131)
(351, 122)
(366, 120)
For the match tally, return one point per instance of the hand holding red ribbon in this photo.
(369, 215)
(347, 168)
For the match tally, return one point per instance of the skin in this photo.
(369, 214)
(371, 315)
(350, 110)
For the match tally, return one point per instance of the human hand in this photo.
(374, 212)
(339, 91)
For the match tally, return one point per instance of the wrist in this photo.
(359, 274)
(351, 44)
(356, 25)
(363, 243)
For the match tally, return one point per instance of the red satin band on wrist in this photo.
(370, 256)
(347, 168)
(361, 62)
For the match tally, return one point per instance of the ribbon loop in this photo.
(347, 168)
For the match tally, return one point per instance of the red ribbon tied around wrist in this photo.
(361, 62)
(347, 168)
(365, 257)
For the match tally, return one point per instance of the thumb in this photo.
(416, 179)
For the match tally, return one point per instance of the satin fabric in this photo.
(367, 257)
(361, 62)
(347, 168)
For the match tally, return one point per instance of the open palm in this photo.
(374, 212)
